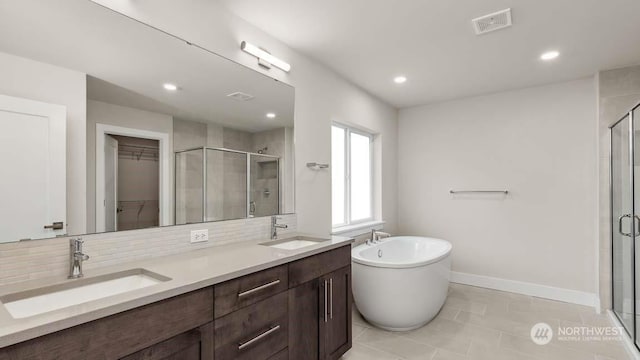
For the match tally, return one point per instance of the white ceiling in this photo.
(432, 42)
(128, 62)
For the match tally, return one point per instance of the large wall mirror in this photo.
(109, 124)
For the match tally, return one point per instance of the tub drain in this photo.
(379, 253)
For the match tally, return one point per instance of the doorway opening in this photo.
(135, 181)
(132, 179)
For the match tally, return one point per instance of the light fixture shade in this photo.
(264, 56)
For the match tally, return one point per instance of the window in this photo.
(351, 176)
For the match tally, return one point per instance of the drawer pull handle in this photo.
(259, 337)
(261, 287)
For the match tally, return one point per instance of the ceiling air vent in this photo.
(240, 96)
(496, 21)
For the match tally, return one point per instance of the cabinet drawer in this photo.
(238, 293)
(315, 266)
(256, 332)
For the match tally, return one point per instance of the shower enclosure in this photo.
(214, 184)
(625, 219)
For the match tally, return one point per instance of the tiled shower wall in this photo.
(232, 204)
(37, 259)
(618, 92)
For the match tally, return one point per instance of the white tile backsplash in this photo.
(36, 259)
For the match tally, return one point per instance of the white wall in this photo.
(321, 97)
(102, 113)
(539, 144)
(34, 80)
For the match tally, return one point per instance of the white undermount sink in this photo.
(294, 243)
(50, 298)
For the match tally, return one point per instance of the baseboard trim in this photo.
(531, 289)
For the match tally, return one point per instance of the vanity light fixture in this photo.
(271, 115)
(400, 79)
(265, 59)
(549, 55)
(170, 87)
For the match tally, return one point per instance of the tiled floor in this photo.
(478, 324)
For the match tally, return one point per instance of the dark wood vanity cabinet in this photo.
(320, 306)
(335, 326)
(299, 311)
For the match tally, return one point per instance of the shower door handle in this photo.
(637, 224)
(620, 225)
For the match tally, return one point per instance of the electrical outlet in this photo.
(199, 236)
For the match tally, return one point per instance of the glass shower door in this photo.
(622, 223)
(264, 188)
(226, 185)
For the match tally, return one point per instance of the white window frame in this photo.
(347, 180)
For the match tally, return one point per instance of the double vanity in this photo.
(283, 299)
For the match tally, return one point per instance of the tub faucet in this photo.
(76, 257)
(275, 226)
(376, 236)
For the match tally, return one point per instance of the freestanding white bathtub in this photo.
(401, 283)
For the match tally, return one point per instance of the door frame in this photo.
(103, 130)
(115, 185)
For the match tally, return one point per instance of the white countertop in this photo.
(188, 272)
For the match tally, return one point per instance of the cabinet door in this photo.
(303, 321)
(282, 355)
(336, 336)
(196, 344)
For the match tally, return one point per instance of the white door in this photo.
(33, 160)
(110, 183)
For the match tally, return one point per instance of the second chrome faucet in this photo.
(275, 226)
(76, 257)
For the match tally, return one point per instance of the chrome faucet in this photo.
(76, 257)
(275, 226)
(376, 236)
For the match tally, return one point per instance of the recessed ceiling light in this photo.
(271, 115)
(400, 79)
(549, 55)
(170, 87)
